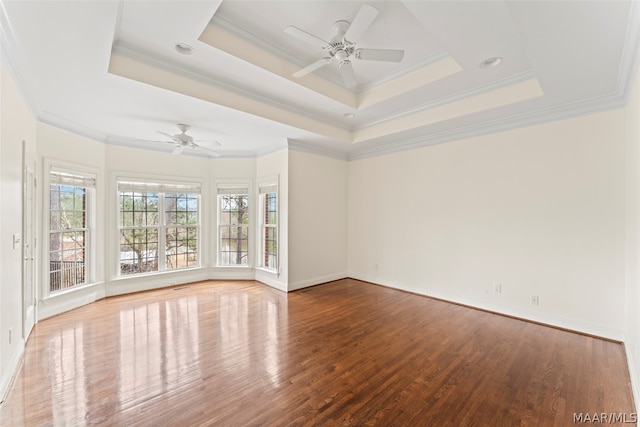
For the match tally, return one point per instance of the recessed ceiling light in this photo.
(491, 62)
(183, 48)
(349, 115)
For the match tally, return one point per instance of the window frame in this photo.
(162, 188)
(76, 176)
(233, 187)
(268, 186)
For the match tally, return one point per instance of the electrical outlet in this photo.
(10, 333)
(497, 288)
(535, 300)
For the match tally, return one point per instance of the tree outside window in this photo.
(233, 228)
(159, 227)
(268, 216)
(69, 228)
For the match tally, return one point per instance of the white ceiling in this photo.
(108, 70)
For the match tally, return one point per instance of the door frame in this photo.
(29, 244)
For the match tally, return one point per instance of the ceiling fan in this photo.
(342, 48)
(183, 141)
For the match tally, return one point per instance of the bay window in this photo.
(159, 225)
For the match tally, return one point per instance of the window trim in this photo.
(222, 188)
(77, 174)
(161, 186)
(267, 185)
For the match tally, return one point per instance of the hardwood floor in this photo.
(344, 353)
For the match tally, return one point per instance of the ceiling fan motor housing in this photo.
(341, 48)
(183, 138)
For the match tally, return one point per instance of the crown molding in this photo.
(136, 55)
(311, 148)
(563, 112)
(546, 115)
(61, 123)
(478, 90)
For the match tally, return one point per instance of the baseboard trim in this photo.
(301, 284)
(633, 374)
(271, 280)
(585, 330)
(9, 375)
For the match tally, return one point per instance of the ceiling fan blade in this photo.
(167, 135)
(178, 150)
(312, 67)
(206, 150)
(206, 142)
(348, 76)
(306, 37)
(361, 22)
(390, 55)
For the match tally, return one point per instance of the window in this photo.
(159, 226)
(268, 200)
(70, 230)
(233, 225)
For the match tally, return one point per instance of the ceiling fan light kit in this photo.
(182, 140)
(342, 48)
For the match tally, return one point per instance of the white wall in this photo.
(632, 155)
(277, 165)
(16, 125)
(537, 210)
(318, 200)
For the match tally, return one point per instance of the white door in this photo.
(29, 248)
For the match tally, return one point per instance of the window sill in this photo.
(157, 274)
(273, 271)
(233, 267)
(70, 291)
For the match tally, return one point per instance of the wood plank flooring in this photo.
(238, 353)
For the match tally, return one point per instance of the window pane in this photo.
(67, 249)
(225, 218)
(77, 219)
(233, 229)
(269, 244)
(181, 247)
(181, 209)
(138, 251)
(192, 218)
(271, 218)
(126, 218)
(55, 197)
(150, 219)
(270, 208)
(270, 247)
